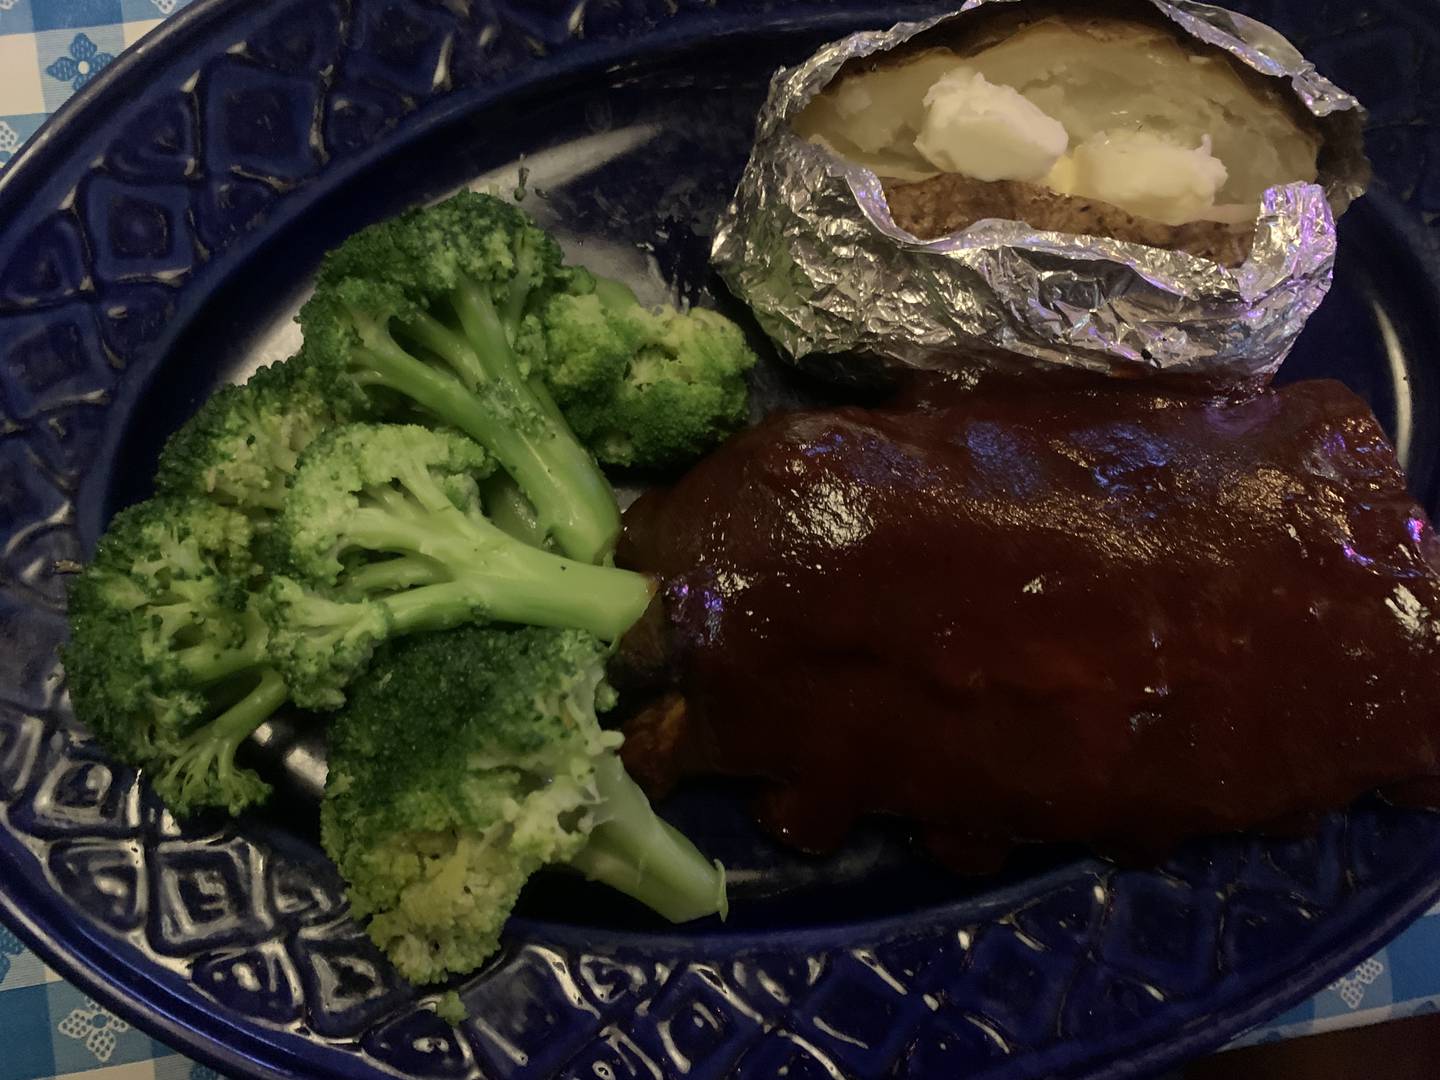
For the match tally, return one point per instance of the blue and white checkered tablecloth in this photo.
(48, 1028)
(51, 48)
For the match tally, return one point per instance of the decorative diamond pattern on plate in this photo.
(301, 37)
(303, 893)
(614, 1056)
(357, 113)
(138, 232)
(860, 1017)
(134, 314)
(960, 1048)
(697, 1026)
(20, 737)
(419, 1044)
(1011, 985)
(207, 895)
(547, 22)
(94, 279)
(53, 359)
(1161, 931)
(1066, 919)
(49, 264)
(227, 206)
(402, 46)
(613, 984)
(34, 501)
(1262, 929)
(159, 144)
(257, 122)
(1308, 868)
(29, 663)
(80, 792)
(348, 984)
(1102, 1001)
(531, 1015)
(259, 982)
(105, 877)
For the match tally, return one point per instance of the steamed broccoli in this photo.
(643, 387)
(288, 540)
(462, 312)
(241, 446)
(433, 312)
(384, 534)
(167, 653)
(466, 761)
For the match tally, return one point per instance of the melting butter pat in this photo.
(986, 131)
(1145, 172)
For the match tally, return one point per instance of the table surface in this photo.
(48, 1028)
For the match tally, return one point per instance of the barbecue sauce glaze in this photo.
(1104, 616)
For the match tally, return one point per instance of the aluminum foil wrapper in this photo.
(808, 242)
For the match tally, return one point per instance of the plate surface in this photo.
(155, 239)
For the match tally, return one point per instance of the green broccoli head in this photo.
(240, 448)
(320, 642)
(347, 327)
(383, 534)
(358, 478)
(169, 575)
(587, 347)
(393, 512)
(436, 825)
(433, 315)
(428, 251)
(451, 287)
(164, 639)
(640, 387)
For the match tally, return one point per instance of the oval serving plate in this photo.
(154, 240)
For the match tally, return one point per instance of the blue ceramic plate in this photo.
(153, 241)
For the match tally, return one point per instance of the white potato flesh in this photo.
(1131, 95)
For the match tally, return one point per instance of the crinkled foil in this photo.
(808, 242)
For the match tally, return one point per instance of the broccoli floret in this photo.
(589, 342)
(320, 641)
(167, 658)
(241, 446)
(383, 533)
(223, 477)
(202, 770)
(451, 1008)
(434, 311)
(642, 387)
(436, 826)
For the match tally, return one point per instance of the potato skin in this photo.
(944, 204)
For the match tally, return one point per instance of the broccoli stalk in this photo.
(167, 660)
(636, 852)
(437, 827)
(506, 505)
(388, 518)
(489, 400)
(204, 761)
(432, 311)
